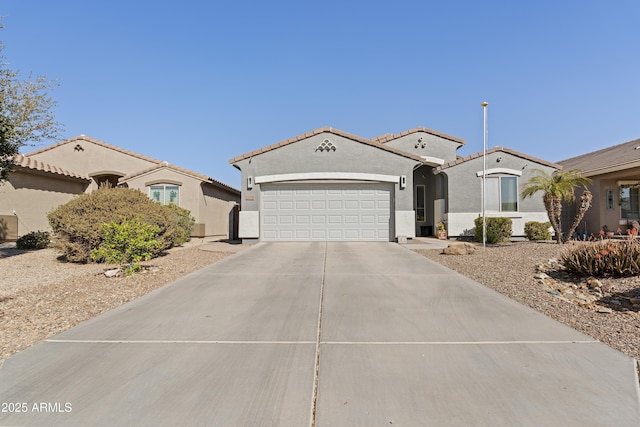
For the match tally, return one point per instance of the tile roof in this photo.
(94, 141)
(159, 163)
(460, 160)
(617, 157)
(382, 139)
(196, 175)
(25, 162)
(323, 130)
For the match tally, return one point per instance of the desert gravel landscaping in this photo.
(41, 296)
(527, 272)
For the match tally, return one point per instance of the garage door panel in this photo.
(319, 234)
(319, 205)
(270, 219)
(334, 219)
(367, 219)
(326, 212)
(334, 204)
(285, 205)
(303, 219)
(302, 234)
(286, 219)
(285, 234)
(367, 204)
(335, 234)
(318, 219)
(270, 205)
(351, 204)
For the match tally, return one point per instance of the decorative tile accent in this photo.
(326, 145)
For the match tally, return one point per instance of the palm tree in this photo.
(557, 188)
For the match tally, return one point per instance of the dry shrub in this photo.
(603, 258)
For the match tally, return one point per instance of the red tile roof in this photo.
(25, 162)
(196, 175)
(159, 163)
(94, 141)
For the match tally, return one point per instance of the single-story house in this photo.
(331, 185)
(615, 175)
(53, 175)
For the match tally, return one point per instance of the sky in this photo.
(198, 82)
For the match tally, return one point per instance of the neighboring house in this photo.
(615, 175)
(34, 188)
(331, 185)
(51, 176)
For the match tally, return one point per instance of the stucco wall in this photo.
(33, 195)
(465, 192)
(349, 156)
(211, 207)
(91, 159)
(430, 145)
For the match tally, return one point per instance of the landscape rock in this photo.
(114, 272)
(593, 283)
(459, 248)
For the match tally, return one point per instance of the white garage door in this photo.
(349, 212)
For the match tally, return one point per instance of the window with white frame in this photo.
(502, 193)
(165, 193)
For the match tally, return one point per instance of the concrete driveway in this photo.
(324, 334)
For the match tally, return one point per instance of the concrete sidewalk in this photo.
(325, 334)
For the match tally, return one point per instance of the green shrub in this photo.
(498, 229)
(128, 242)
(534, 230)
(34, 240)
(183, 222)
(78, 223)
(605, 257)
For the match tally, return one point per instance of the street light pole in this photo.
(484, 173)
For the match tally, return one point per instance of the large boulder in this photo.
(459, 248)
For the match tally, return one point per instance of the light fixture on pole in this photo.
(484, 173)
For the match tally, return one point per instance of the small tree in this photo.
(557, 188)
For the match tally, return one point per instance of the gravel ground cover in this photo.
(527, 273)
(41, 296)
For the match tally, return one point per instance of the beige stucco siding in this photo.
(210, 206)
(33, 195)
(92, 159)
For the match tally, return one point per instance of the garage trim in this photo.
(346, 211)
(351, 176)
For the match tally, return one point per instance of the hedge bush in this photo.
(34, 240)
(78, 223)
(535, 230)
(604, 257)
(498, 229)
(131, 241)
